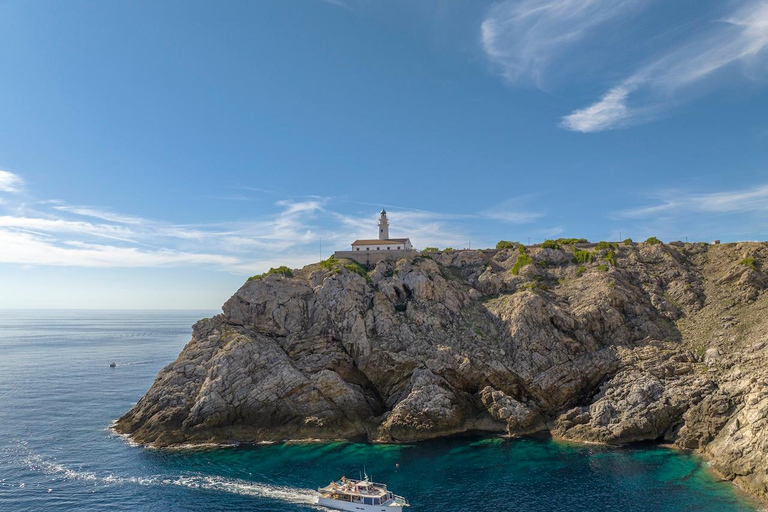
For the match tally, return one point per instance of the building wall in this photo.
(382, 246)
(373, 257)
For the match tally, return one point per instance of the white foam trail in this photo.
(286, 494)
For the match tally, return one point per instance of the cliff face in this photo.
(669, 344)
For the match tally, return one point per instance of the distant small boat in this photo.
(112, 365)
(360, 495)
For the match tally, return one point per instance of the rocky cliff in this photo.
(608, 344)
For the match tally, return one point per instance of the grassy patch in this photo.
(582, 256)
(602, 268)
(581, 269)
(522, 261)
(571, 241)
(281, 270)
(550, 244)
(748, 262)
(329, 264)
(603, 245)
(358, 269)
(610, 257)
(534, 285)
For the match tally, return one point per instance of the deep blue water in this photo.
(58, 397)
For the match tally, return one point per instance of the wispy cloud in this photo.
(10, 182)
(52, 232)
(738, 38)
(524, 38)
(675, 202)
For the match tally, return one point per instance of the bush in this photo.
(582, 269)
(522, 261)
(571, 241)
(506, 244)
(281, 270)
(521, 249)
(448, 249)
(627, 241)
(748, 262)
(610, 258)
(582, 256)
(357, 268)
(601, 246)
(602, 268)
(550, 244)
(329, 264)
(431, 249)
(653, 241)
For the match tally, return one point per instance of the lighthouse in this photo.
(383, 225)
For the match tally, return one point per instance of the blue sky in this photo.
(154, 154)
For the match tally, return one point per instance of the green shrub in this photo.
(431, 249)
(601, 246)
(522, 261)
(521, 249)
(610, 257)
(506, 244)
(582, 269)
(627, 241)
(602, 268)
(357, 268)
(281, 270)
(748, 262)
(653, 241)
(329, 264)
(582, 256)
(550, 244)
(571, 241)
(448, 249)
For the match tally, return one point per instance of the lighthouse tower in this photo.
(383, 225)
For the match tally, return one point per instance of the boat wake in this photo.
(285, 494)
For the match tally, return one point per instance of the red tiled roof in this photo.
(374, 242)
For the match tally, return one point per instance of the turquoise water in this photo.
(58, 397)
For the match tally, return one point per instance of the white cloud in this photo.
(28, 249)
(87, 211)
(10, 182)
(741, 37)
(524, 38)
(57, 234)
(679, 202)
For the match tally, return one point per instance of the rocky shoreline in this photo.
(610, 344)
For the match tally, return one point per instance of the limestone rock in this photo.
(670, 344)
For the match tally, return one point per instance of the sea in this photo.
(58, 397)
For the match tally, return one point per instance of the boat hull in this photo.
(357, 507)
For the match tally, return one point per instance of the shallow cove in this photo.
(58, 396)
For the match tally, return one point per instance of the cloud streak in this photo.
(10, 182)
(739, 38)
(54, 233)
(524, 38)
(677, 203)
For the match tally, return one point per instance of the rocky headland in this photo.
(612, 343)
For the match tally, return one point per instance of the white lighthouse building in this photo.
(373, 250)
(383, 243)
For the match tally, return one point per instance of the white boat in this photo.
(360, 495)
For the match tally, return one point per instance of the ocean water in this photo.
(58, 397)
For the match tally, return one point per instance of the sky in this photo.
(153, 155)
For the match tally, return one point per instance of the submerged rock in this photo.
(668, 344)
